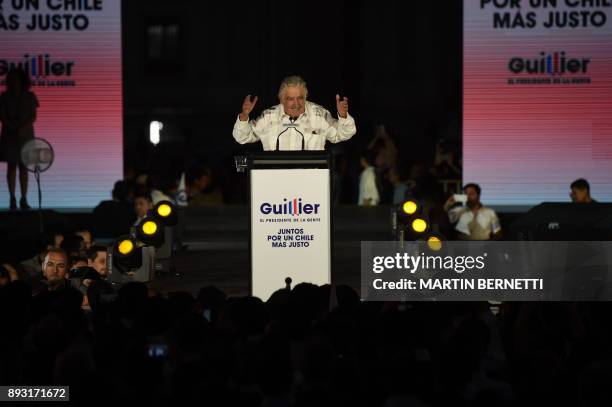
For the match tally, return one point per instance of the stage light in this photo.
(150, 232)
(410, 220)
(434, 243)
(407, 211)
(154, 130)
(410, 207)
(128, 260)
(419, 225)
(165, 212)
(149, 228)
(125, 257)
(125, 246)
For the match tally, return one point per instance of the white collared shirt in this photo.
(486, 218)
(367, 187)
(316, 125)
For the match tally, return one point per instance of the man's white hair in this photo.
(291, 81)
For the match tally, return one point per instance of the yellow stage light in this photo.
(409, 207)
(125, 247)
(164, 210)
(419, 225)
(149, 227)
(434, 243)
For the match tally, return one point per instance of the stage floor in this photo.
(229, 270)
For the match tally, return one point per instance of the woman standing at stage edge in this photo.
(17, 114)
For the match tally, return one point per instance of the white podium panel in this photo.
(290, 228)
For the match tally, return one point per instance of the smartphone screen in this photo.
(462, 198)
(206, 314)
(157, 350)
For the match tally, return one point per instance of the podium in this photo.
(290, 219)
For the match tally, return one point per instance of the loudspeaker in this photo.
(556, 221)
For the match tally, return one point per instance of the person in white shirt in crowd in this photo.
(368, 190)
(294, 124)
(473, 221)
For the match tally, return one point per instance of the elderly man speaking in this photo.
(294, 124)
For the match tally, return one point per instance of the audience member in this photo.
(143, 203)
(54, 268)
(114, 217)
(368, 188)
(96, 258)
(305, 346)
(73, 245)
(32, 267)
(473, 221)
(87, 238)
(581, 191)
(445, 165)
(384, 149)
(201, 188)
(401, 190)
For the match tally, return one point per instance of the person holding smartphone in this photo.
(473, 221)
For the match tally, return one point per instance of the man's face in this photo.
(580, 195)
(99, 263)
(294, 100)
(473, 198)
(86, 235)
(54, 267)
(141, 206)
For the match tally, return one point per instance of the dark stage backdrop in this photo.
(398, 63)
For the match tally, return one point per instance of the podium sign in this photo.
(290, 228)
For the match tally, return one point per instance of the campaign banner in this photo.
(537, 97)
(72, 53)
(290, 228)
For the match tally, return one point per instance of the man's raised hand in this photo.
(247, 107)
(342, 106)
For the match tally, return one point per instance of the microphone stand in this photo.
(40, 216)
(290, 127)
